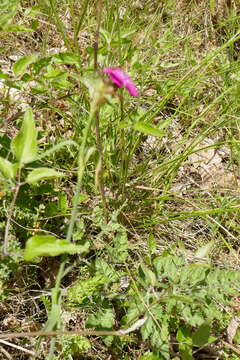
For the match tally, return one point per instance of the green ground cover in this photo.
(120, 213)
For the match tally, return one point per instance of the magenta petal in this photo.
(114, 76)
(120, 78)
(132, 89)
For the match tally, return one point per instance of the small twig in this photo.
(17, 347)
(8, 356)
(120, 332)
(59, 332)
(233, 348)
(34, 230)
(141, 187)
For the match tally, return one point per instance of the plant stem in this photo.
(100, 152)
(9, 218)
(56, 296)
(99, 9)
(123, 154)
(81, 167)
(60, 26)
(79, 24)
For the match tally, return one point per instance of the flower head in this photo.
(99, 91)
(121, 79)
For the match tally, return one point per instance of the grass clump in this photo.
(120, 215)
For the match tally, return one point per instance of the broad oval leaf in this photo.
(7, 168)
(201, 335)
(148, 129)
(24, 146)
(40, 245)
(20, 66)
(42, 173)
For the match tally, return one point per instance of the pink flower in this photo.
(120, 78)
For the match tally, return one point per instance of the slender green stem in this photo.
(10, 213)
(81, 167)
(97, 120)
(56, 296)
(79, 24)
(123, 145)
(100, 182)
(60, 26)
(99, 9)
(52, 349)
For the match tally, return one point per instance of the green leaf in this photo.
(24, 146)
(185, 343)
(194, 274)
(84, 288)
(147, 328)
(150, 356)
(7, 168)
(17, 28)
(212, 7)
(148, 129)
(134, 311)
(160, 337)
(184, 299)
(41, 64)
(42, 173)
(119, 250)
(184, 335)
(193, 317)
(106, 270)
(3, 75)
(20, 66)
(146, 276)
(201, 336)
(73, 345)
(165, 266)
(40, 245)
(102, 318)
(53, 73)
(66, 58)
(204, 250)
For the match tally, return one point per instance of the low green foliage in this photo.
(177, 298)
(72, 345)
(120, 211)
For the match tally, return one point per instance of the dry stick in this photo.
(233, 348)
(99, 9)
(59, 332)
(120, 332)
(17, 347)
(8, 356)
